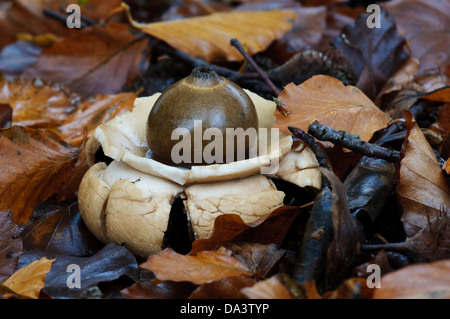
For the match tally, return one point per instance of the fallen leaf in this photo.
(36, 104)
(399, 79)
(231, 228)
(11, 246)
(97, 60)
(203, 267)
(376, 53)
(209, 36)
(439, 95)
(93, 112)
(348, 236)
(258, 258)
(18, 56)
(422, 189)
(417, 281)
(107, 265)
(29, 280)
(425, 24)
(327, 100)
(34, 165)
(60, 231)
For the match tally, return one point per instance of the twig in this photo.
(230, 74)
(63, 18)
(235, 43)
(351, 141)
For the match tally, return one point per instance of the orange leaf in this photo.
(35, 104)
(327, 100)
(422, 189)
(209, 36)
(29, 280)
(416, 281)
(200, 268)
(34, 165)
(92, 113)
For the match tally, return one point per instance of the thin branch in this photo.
(352, 141)
(235, 43)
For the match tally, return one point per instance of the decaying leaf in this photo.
(327, 100)
(422, 189)
(29, 280)
(82, 123)
(36, 104)
(97, 60)
(376, 53)
(10, 245)
(347, 236)
(34, 165)
(203, 267)
(420, 281)
(426, 26)
(60, 231)
(106, 265)
(209, 36)
(266, 230)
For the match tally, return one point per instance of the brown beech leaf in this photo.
(425, 24)
(422, 189)
(29, 280)
(419, 281)
(327, 100)
(258, 258)
(266, 230)
(34, 165)
(97, 60)
(93, 112)
(36, 104)
(11, 246)
(209, 36)
(203, 267)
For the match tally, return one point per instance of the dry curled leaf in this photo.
(203, 267)
(209, 36)
(327, 100)
(272, 288)
(34, 165)
(422, 189)
(29, 280)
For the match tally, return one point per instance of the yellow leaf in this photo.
(29, 280)
(209, 36)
